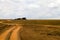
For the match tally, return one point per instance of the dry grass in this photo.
(40, 32)
(36, 29)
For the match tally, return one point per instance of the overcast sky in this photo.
(37, 9)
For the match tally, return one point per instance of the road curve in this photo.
(11, 34)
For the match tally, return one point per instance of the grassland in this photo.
(35, 29)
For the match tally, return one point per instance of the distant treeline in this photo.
(21, 18)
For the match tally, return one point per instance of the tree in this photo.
(23, 18)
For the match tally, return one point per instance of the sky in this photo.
(32, 9)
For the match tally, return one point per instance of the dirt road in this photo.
(15, 34)
(11, 34)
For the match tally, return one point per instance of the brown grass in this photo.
(36, 29)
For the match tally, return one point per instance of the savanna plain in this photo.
(29, 29)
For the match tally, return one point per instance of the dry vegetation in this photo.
(35, 29)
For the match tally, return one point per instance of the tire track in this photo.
(5, 34)
(12, 33)
(15, 34)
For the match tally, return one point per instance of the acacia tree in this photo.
(21, 18)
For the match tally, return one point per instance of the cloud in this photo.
(54, 3)
(30, 8)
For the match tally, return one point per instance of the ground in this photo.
(31, 29)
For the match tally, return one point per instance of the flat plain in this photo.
(31, 29)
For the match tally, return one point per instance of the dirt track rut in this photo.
(11, 34)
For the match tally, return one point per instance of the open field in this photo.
(32, 29)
